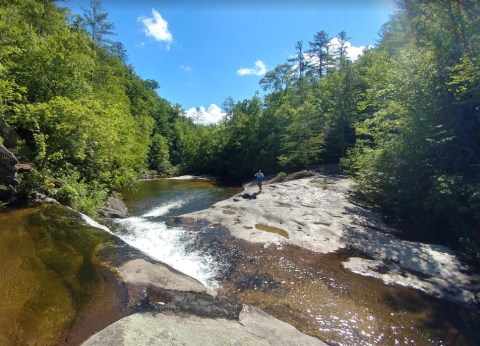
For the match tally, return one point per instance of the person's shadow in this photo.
(250, 196)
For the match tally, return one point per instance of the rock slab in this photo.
(254, 327)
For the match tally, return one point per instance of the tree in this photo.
(299, 60)
(118, 49)
(95, 21)
(341, 53)
(159, 157)
(198, 115)
(319, 48)
(279, 78)
(58, 130)
(301, 142)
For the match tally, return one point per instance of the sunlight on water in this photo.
(150, 231)
(167, 244)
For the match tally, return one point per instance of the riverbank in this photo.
(317, 214)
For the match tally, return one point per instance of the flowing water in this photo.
(52, 286)
(310, 291)
(150, 228)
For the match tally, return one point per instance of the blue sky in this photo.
(202, 52)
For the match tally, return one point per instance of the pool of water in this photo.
(49, 278)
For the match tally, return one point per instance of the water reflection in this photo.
(49, 277)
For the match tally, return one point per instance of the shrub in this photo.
(281, 176)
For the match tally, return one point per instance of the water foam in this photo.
(166, 244)
(89, 221)
(163, 209)
(163, 243)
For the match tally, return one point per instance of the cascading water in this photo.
(150, 234)
(311, 291)
(149, 228)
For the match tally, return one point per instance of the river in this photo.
(49, 247)
(311, 291)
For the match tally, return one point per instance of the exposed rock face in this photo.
(8, 172)
(115, 208)
(253, 327)
(187, 313)
(317, 214)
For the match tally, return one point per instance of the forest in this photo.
(403, 120)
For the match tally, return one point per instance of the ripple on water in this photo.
(315, 294)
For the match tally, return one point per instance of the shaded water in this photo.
(308, 290)
(49, 277)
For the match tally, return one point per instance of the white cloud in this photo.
(185, 68)
(259, 70)
(212, 115)
(353, 52)
(156, 27)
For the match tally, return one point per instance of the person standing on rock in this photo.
(259, 176)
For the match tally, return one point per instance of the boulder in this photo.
(114, 208)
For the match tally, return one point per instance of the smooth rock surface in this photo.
(114, 208)
(141, 272)
(253, 328)
(317, 214)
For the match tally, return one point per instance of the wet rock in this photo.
(318, 213)
(40, 198)
(141, 272)
(175, 309)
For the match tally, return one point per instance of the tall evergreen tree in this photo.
(299, 60)
(95, 21)
(319, 49)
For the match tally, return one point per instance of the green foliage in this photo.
(159, 157)
(281, 176)
(85, 117)
(403, 119)
(30, 182)
(84, 197)
(418, 118)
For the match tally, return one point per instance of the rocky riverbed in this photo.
(175, 309)
(302, 264)
(316, 213)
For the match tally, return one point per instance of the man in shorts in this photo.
(259, 176)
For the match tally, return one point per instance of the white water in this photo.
(164, 243)
(88, 220)
(165, 208)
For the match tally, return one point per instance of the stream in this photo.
(46, 254)
(311, 291)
